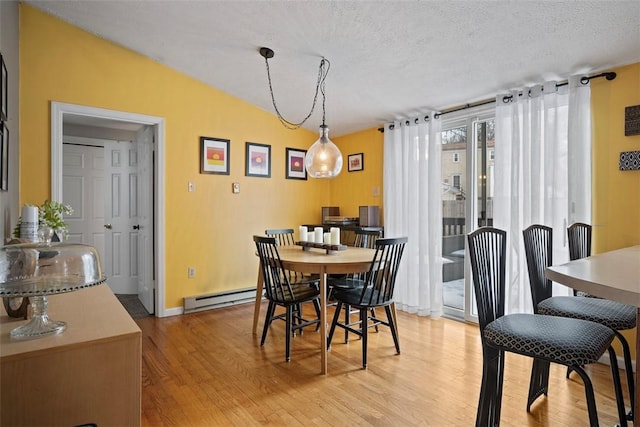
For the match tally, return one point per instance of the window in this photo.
(467, 201)
(456, 181)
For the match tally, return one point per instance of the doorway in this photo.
(151, 287)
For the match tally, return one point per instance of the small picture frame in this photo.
(355, 162)
(295, 164)
(214, 155)
(632, 120)
(4, 87)
(258, 160)
(4, 157)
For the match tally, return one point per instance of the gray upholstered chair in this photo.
(538, 246)
(547, 339)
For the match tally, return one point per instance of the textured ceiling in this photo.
(389, 59)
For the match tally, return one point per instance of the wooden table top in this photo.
(613, 275)
(350, 260)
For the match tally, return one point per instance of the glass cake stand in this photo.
(36, 270)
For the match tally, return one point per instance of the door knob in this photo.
(107, 226)
(136, 227)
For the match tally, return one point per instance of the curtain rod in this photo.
(609, 75)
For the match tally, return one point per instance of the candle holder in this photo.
(331, 249)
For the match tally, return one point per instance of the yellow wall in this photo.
(209, 229)
(353, 189)
(616, 194)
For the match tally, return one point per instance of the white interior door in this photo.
(121, 216)
(83, 189)
(146, 283)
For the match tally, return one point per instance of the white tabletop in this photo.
(614, 275)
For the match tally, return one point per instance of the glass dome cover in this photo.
(36, 270)
(28, 269)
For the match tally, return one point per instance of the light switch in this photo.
(192, 186)
(235, 187)
(375, 192)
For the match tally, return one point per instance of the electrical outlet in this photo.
(191, 272)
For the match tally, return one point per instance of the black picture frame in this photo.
(632, 120)
(257, 160)
(215, 155)
(4, 157)
(355, 162)
(294, 164)
(4, 89)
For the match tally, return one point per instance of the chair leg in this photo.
(539, 383)
(364, 317)
(289, 317)
(347, 321)
(617, 386)
(392, 326)
(267, 321)
(334, 322)
(569, 371)
(628, 367)
(316, 305)
(296, 318)
(490, 401)
(588, 391)
(373, 315)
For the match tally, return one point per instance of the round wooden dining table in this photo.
(318, 261)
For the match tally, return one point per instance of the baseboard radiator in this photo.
(218, 300)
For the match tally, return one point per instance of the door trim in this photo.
(58, 110)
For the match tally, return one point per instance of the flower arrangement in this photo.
(50, 214)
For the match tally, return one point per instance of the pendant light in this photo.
(323, 159)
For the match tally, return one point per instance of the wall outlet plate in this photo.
(235, 187)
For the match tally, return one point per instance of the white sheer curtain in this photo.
(413, 208)
(543, 172)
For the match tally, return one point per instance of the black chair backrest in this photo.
(366, 238)
(381, 277)
(487, 254)
(276, 282)
(579, 235)
(283, 236)
(538, 241)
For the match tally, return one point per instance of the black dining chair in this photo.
(538, 246)
(285, 237)
(579, 239)
(281, 291)
(372, 289)
(547, 339)
(364, 238)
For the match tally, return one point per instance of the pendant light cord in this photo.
(323, 70)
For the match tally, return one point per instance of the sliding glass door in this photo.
(467, 202)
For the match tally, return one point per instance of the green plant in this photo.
(50, 214)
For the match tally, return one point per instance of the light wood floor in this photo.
(208, 369)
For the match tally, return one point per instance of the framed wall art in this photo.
(632, 120)
(4, 86)
(295, 164)
(214, 155)
(356, 162)
(258, 160)
(4, 157)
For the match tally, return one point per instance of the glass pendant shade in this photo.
(323, 159)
